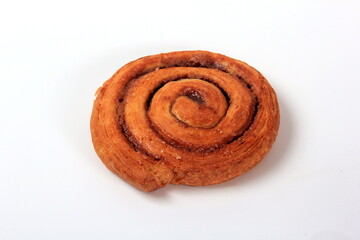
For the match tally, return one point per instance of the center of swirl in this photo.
(194, 114)
(200, 104)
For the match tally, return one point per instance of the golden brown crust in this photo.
(192, 117)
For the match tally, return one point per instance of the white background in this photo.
(55, 54)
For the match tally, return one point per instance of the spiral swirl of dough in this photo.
(192, 117)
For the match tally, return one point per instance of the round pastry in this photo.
(191, 117)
